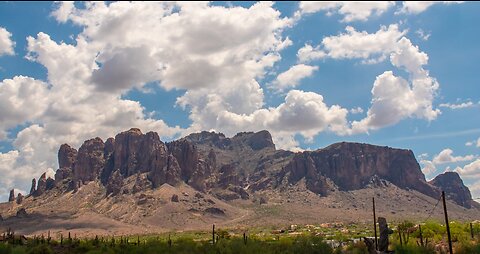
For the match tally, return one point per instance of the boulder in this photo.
(174, 198)
(22, 213)
(215, 211)
(19, 198)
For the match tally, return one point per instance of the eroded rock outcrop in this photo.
(67, 156)
(115, 183)
(261, 140)
(90, 160)
(170, 173)
(187, 156)
(137, 153)
(452, 184)
(62, 174)
(237, 167)
(11, 197)
(352, 165)
(19, 199)
(42, 185)
(34, 187)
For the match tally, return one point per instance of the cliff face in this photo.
(351, 166)
(452, 184)
(236, 167)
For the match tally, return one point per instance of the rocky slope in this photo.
(238, 169)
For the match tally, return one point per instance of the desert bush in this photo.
(467, 248)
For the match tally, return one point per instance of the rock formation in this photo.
(11, 197)
(22, 213)
(452, 184)
(136, 152)
(90, 160)
(261, 140)
(174, 198)
(237, 167)
(170, 173)
(34, 186)
(42, 185)
(351, 166)
(19, 198)
(114, 185)
(62, 174)
(66, 156)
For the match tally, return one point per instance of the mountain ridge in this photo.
(135, 177)
(208, 161)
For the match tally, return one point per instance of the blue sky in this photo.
(385, 73)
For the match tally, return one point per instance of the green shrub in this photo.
(468, 248)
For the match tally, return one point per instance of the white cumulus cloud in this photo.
(445, 156)
(293, 76)
(6, 42)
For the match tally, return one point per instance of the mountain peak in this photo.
(452, 184)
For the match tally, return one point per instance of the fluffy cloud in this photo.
(215, 54)
(302, 112)
(416, 7)
(372, 47)
(428, 167)
(6, 43)
(445, 156)
(393, 98)
(307, 54)
(293, 76)
(22, 99)
(351, 11)
(471, 170)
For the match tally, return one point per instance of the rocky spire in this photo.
(34, 186)
(12, 195)
(42, 185)
(66, 156)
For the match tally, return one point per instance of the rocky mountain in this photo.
(237, 168)
(454, 189)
